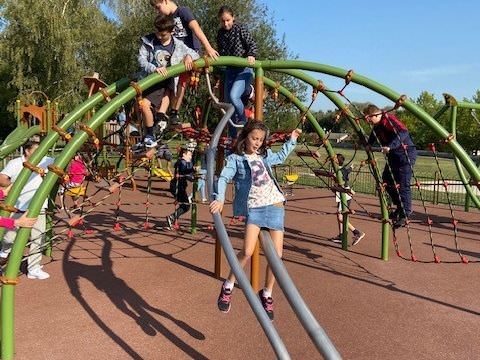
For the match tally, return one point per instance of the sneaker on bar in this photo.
(149, 141)
(267, 303)
(174, 118)
(224, 299)
(38, 274)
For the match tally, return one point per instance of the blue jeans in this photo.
(201, 183)
(237, 80)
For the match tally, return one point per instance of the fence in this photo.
(432, 188)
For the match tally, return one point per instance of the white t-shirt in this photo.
(12, 170)
(263, 191)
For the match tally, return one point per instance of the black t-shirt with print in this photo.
(182, 17)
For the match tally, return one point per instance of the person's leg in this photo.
(251, 237)
(241, 82)
(405, 177)
(181, 89)
(183, 208)
(147, 113)
(37, 238)
(277, 239)
(389, 181)
(7, 241)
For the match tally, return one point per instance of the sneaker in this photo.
(393, 215)
(357, 236)
(174, 119)
(224, 299)
(337, 239)
(400, 222)
(170, 222)
(190, 198)
(149, 142)
(3, 259)
(38, 273)
(267, 303)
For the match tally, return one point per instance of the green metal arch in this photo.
(8, 291)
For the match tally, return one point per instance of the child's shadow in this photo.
(126, 300)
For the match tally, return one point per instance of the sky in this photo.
(408, 46)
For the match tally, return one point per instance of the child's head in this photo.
(165, 7)
(340, 159)
(226, 17)
(29, 147)
(373, 114)
(185, 154)
(252, 138)
(164, 24)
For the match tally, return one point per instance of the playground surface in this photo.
(151, 294)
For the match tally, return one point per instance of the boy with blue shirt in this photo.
(158, 51)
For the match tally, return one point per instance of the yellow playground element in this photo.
(290, 180)
(162, 174)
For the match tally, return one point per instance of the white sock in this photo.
(228, 284)
(267, 293)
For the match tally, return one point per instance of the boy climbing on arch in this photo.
(401, 154)
(188, 30)
(158, 51)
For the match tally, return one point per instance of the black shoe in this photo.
(174, 119)
(267, 303)
(224, 299)
(400, 222)
(357, 236)
(393, 215)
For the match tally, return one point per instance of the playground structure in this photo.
(127, 93)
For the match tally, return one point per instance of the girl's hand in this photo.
(188, 61)
(295, 134)
(385, 149)
(161, 70)
(216, 206)
(23, 221)
(251, 60)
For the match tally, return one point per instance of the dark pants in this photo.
(401, 169)
(184, 205)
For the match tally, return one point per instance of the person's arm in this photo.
(401, 137)
(227, 174)
(7, 223)
(250, 44)
(287, 148)
(146, 66)
(195, 26)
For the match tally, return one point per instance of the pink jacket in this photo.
(8, 223)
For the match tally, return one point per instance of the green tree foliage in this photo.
(49, 45)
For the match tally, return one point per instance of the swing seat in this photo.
(291, 178)
(162, 174)
(76, 191)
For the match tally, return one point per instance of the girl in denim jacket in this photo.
(258, 197)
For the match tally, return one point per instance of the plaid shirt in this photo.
(236, 42)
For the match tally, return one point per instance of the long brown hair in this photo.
(251, 125)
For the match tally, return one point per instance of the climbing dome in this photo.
(108, 99)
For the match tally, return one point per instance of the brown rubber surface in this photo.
(152, 294)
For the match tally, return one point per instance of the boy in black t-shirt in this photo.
(158, 51)
(191, 34)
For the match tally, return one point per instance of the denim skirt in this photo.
(268, 217)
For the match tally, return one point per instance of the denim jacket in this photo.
(238, 170)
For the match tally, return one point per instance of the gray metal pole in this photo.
(310, 324)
